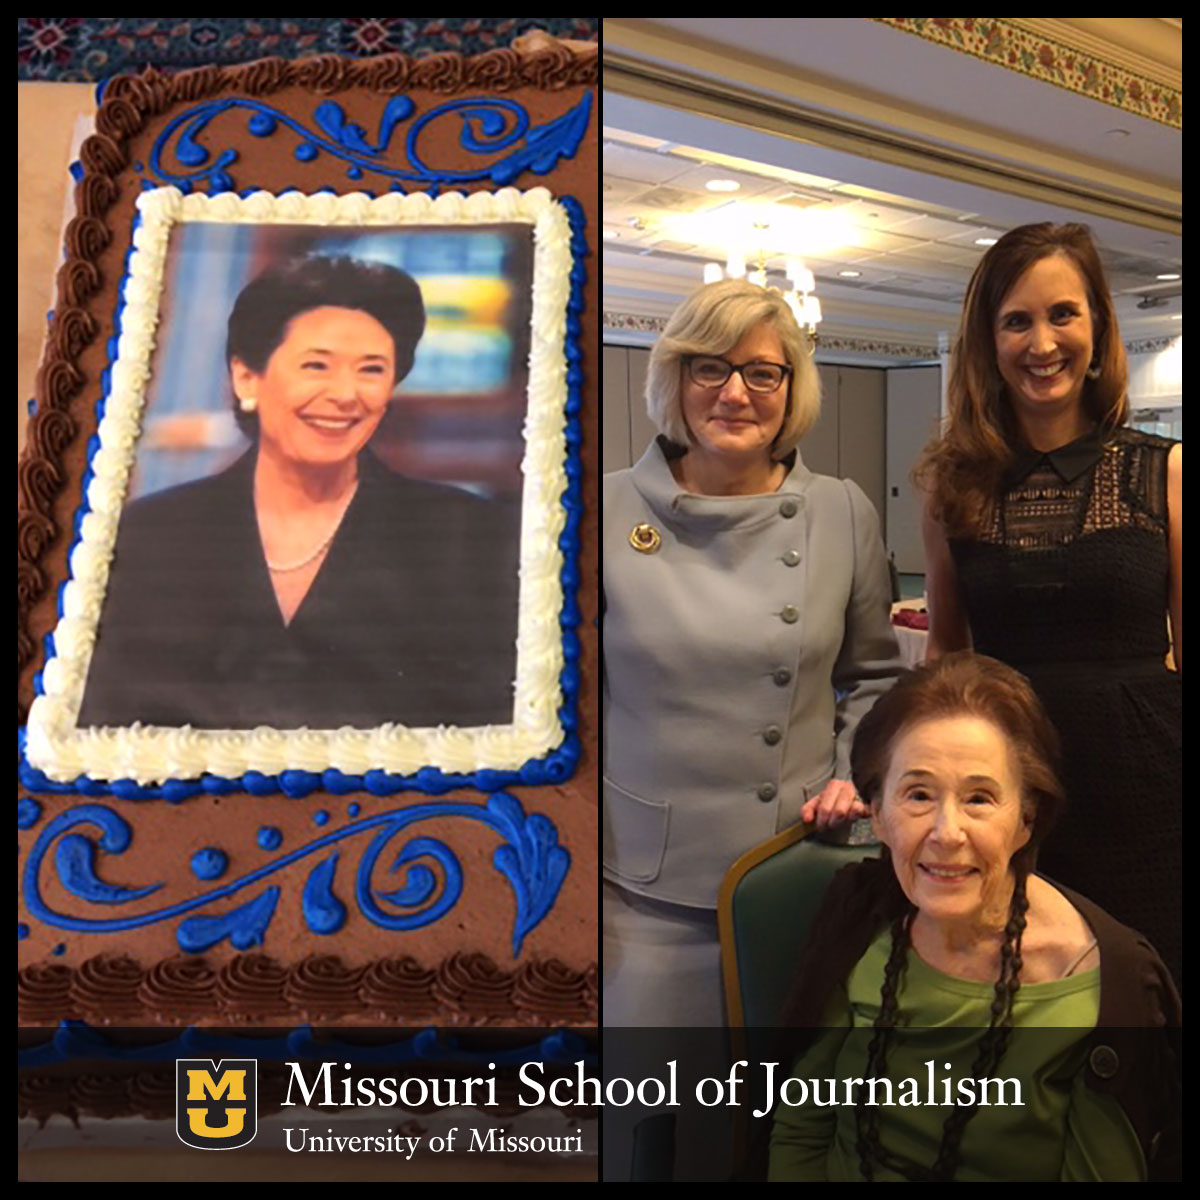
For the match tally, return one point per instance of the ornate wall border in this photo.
(635, 323)
(1002, 41)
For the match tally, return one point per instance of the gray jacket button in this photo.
(772, 735)
(790, 614)
(782, 676)
(766, 791)
(788, 508)
(791, 558)
(1104, 1061)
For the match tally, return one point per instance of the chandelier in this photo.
(800, 297)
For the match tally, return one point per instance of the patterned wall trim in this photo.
(88, 49)
(1002, 41)
(633, 323)
(1151, 345)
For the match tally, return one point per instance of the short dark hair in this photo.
(267, 305)
(966, 684)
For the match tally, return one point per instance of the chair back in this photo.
(765, 910)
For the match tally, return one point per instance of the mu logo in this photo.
(216, 1104)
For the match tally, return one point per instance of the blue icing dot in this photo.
(353, 810)
(354, 173)
(270, 838)
(61, 948)
(262, 124)
(22, 932)
(305, 152)
(209, 863)
(29, 812)
(321, 817)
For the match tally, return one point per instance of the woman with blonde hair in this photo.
(746, 632)
(1054, 542)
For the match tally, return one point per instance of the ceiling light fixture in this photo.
(723, 185)
(986, 241)
(849, 274)
(1167, 277)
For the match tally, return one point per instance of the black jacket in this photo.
(412, 618)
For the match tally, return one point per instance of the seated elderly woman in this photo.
(948, 961)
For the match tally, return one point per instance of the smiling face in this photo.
(1044, 338)
(731, 422)
(950, 812)
(324, 389)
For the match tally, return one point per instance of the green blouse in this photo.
(1063, 1130)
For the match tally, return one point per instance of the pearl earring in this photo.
(1093, 371)
(247, 404)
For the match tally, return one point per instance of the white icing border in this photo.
(154, 754)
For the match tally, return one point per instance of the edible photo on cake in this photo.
(326, 499)
(323, 518)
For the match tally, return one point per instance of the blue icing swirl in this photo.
(531, 859)
(269, 838)
(245, 926)
(209, 863)
(22, 931)
(29, 812)
(323, 911)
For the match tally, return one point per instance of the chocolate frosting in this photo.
(43, 992)
(105, 989)
(467, 988)
(178, 986)
(552, 992)
(398, 987)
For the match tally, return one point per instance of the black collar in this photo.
(1069, 461)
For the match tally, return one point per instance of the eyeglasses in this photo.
(708, 371)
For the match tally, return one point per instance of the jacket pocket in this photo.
(635, 834)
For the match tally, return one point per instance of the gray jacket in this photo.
(738, 658)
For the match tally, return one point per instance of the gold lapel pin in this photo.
(645, 539)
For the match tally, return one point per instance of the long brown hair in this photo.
(962, 470)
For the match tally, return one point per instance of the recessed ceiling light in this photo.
(986, 241)
(722, 185)
(1167, 277)
(1177, 317)
(849, 274)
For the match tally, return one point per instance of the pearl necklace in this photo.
(285, 568)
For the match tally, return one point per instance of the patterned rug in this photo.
(88, 49)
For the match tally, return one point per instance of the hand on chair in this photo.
(837, 803)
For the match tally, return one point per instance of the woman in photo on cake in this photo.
(746, 632)
(1054, 541)
(307, 584)
(950, 948)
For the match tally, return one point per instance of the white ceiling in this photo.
(910, 233)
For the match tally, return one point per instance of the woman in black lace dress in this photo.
(1053, 541)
